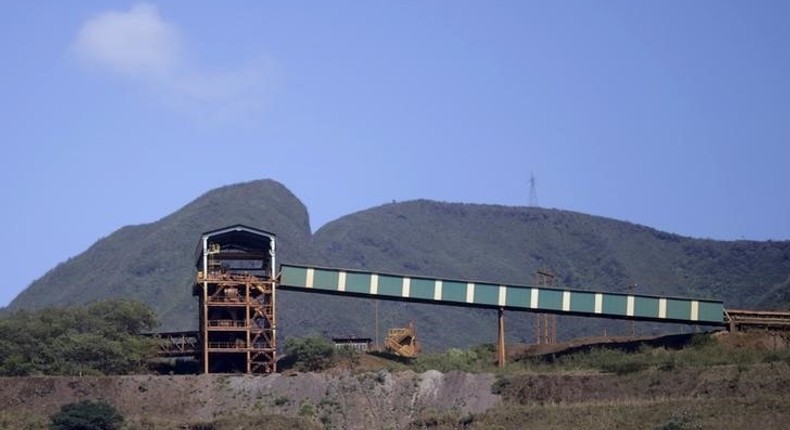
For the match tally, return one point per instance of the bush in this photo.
(477, 359)
(682, 421)
(500, 385)
(102, 338)
(310, 354)
(87, 415)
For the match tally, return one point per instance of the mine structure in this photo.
(237, 279)
(235, 287)
(403, 341)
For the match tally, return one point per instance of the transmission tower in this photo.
(533, 191)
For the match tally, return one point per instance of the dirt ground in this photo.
(370, 400)
(402, 399)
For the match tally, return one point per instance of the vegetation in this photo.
(103, 338)
(87, 415)
(243, 422)
(348, 357)
(154, 263)
(310, 354)
(723, 381)
(477, 359)
(658, 414)
(703, 351)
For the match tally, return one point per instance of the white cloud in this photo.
(137, 43)
(143, 47)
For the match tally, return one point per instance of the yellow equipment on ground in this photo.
(403, 341)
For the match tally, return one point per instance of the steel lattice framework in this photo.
(236, 289)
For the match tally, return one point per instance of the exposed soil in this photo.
(370, 400)
(712, 382)
(383, 399)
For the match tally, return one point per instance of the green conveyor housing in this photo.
(559, 301)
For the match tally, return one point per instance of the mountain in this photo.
(155, 263)
(507, 244)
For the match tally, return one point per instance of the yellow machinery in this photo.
(403, 341)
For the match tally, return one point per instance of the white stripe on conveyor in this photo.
(309, 278)
(533, 299)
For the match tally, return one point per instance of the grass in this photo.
(659, 414)
(703, 351)
(707, 384)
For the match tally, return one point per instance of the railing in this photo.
(240, 344)
(740, 319)
(177, 344)
(217, 276)
(222, 300)
(227, 324)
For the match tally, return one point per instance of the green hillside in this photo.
(507, 244)
(154, 263)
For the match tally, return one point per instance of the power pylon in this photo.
(533, 191)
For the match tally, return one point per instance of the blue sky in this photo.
(670, 114)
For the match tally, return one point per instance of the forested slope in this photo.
(154, 262)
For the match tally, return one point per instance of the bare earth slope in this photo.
(717, 397)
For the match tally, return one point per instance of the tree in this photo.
(102, 338)
(87, 415)
(310, 353)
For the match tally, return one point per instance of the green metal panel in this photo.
(390, 285)
(613, 304)
(358, 282)
(518, 297)
(678, 309)
(711, 311)
(486, 294)
(325, 279)
(646, 307)
(454, 291)
(550, 299)
(582, 302)
(295, 276)
(422, 288)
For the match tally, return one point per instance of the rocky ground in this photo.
(368, 400)
(724, 396)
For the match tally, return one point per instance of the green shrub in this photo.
(310, 354)
(500, 385)
(681, 421)
(625, 367)
(306, 410)
(87, 415)
(102, 338)
(477, 359)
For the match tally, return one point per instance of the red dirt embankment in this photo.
(368, 400)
